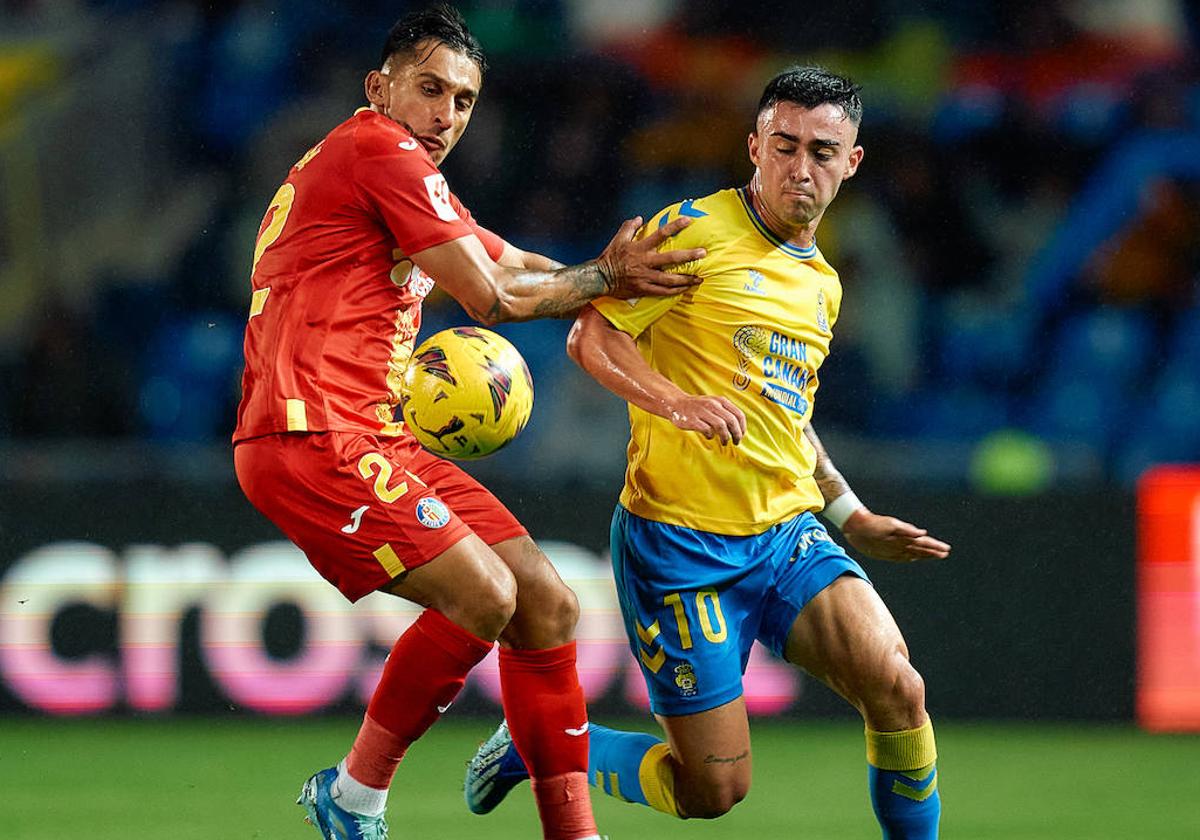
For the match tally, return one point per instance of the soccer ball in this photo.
(467, 393)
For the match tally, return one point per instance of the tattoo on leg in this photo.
(726, 759)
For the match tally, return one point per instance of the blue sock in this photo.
(632, 766)
(902, 774)
(906, 802)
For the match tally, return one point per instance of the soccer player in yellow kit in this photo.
(714, 542)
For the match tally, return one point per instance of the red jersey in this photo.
(336, 306)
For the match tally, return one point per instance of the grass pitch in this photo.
(201, 779)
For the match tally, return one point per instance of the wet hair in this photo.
(441, 22)
(809, 87)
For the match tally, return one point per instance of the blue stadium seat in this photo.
(1166, 430)
(1174, 410)
(1104, 343)
(961, 412)
(1084, 409)
(189, 385)
(1183, 347)
(986, 347)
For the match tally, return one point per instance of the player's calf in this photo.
(901, 751)
(903, 778)
(902, 754)
(630, 766)
(640, 768)
(544, 706)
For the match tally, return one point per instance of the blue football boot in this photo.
(495, 769)
(333, 821)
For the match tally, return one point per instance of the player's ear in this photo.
(375, 86)
(856, 156)
(752, 145)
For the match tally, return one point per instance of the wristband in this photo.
(839, 510)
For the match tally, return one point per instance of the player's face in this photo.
(431, 93)
(802, 157)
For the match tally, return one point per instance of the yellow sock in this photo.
(903, 781)
(908, 749)
(657, 779)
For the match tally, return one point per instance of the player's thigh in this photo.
(806, 561)
(468, 583)
(547, 609)
(690, 611)
(712, 752)
(847, 638)
(471, 502)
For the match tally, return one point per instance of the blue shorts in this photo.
(694, 602)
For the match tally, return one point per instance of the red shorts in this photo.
(363, 508)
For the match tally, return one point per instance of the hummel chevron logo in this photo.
(355, 520)
(577, 732)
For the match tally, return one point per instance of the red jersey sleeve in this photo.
(491, 242)
(394, 175)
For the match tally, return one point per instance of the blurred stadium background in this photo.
(1018, 358)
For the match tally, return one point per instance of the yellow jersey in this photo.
(755, 331)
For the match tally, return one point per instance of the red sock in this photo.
(422, 676)
(543, 703)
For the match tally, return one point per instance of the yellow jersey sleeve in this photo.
(634, 315)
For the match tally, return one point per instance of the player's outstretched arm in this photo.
(514, 257)
(613, 360)
(493, 293)
(876, 536)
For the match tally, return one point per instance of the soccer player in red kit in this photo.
(350, 245)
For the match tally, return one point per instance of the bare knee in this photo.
(707, 801)
(547, 613)
(485, 604)
(894, 698)
(561, 613)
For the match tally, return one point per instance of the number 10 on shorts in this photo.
(712, 625)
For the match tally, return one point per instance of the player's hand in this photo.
(888, 538)
(710, 416)
(634, 268)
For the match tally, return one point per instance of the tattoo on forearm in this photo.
(543, 294)
(493, 312)
(569, 289)
(547, 309)
(829, 480)
(726, 759)
(474, 312)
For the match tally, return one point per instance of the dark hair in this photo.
(813, 86)
(441, 22)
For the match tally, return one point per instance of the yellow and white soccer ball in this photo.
(467, 393)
